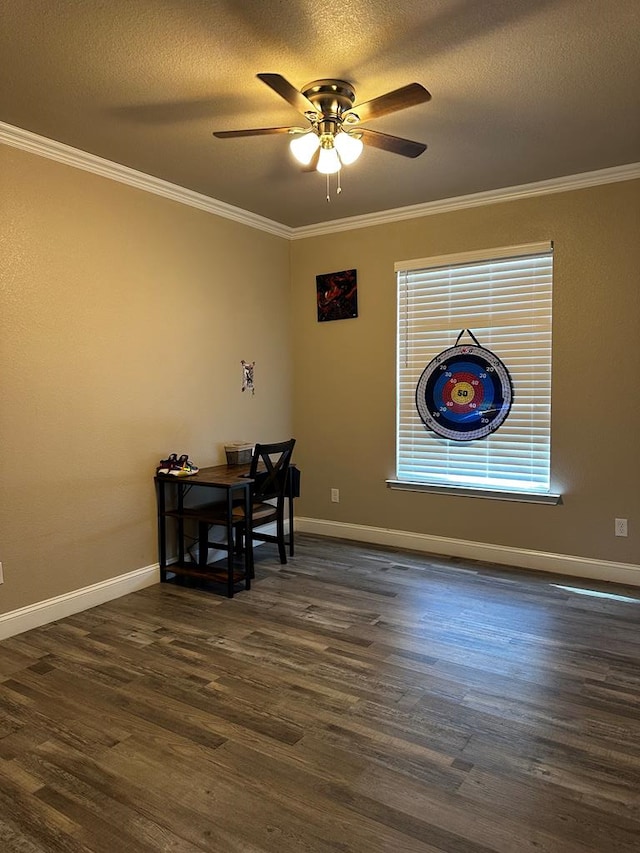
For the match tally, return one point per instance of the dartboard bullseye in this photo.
(465, 393)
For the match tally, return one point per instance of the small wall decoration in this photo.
(247, 376)
(465, 393)
(337, 295)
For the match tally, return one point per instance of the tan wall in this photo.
(344, 381)
(123, 320)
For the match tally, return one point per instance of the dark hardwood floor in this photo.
(358, 700)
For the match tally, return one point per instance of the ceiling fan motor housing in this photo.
(332, 98)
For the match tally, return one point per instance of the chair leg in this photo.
(230, 555)
(248, 544)
(290, 525)
(282, 548)
(246, 550)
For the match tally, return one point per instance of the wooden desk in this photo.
(233, 480)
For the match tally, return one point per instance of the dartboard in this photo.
(465, 393)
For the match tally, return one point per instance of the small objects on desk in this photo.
(247, 376)
(182, 467)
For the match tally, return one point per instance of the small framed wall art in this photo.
(337, 295)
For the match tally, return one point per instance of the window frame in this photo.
(476, 263)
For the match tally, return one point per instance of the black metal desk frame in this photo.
(233, 480)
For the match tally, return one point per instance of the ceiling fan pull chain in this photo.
(328, 190)
(338, 184)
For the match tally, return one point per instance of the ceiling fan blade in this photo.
(399, 99)
(256, 131)
(283, 88)
(395, 144)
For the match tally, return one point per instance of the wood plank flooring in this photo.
(356, 700)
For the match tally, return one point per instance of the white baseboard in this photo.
(43, 612)
(584, 567)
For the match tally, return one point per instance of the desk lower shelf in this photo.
(212, 573)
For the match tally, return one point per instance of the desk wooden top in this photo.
(222, 476)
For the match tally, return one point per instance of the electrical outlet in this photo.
(621, 527)
(1, 574)
(335, 496)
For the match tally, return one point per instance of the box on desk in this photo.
(238, 453)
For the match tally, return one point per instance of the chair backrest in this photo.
(269, 468)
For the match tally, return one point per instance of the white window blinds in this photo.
(503, 296)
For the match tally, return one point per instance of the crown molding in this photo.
(44, 147)
(40, 145)
(554, 185)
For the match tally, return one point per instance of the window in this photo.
(503, 297)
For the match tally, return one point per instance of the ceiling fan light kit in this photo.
(349, 147)
(335, 138)
(328, 160)
(304, 146)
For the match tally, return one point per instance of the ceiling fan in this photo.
(335, 136)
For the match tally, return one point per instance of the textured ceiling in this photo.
(523, 91)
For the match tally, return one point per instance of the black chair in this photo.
(271, 488)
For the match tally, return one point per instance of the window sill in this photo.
(468, 492)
